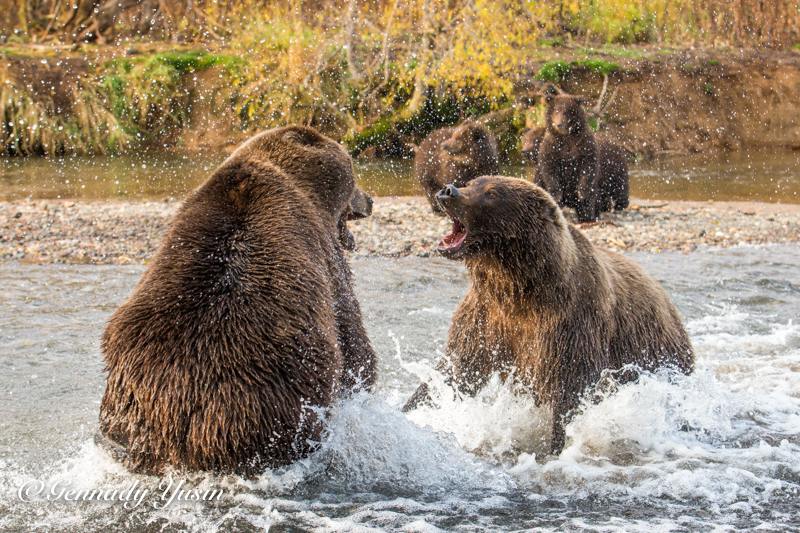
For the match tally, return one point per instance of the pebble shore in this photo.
(113, 232)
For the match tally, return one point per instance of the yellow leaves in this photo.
(490, 45)
(352, 62)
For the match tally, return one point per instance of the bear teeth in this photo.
(455, 238)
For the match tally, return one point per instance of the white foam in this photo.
(496, 423)
(723, 438)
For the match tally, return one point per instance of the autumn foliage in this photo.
(359, 68)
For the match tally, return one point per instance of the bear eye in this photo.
(492, 194)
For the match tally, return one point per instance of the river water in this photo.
(768, 176)
(717, 449)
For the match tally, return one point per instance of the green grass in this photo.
(598, 66)
(554, 71)
(554, 42)
(557, 71)
(375, 135)
(181, 62)
(437, 111)
(625, 52)
(148, 93)
(195, 61)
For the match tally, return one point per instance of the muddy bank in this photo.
(58, 231)
(699, 101)
(657, 101)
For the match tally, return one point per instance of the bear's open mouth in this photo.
(453, 241)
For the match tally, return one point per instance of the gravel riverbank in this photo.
(113, 232)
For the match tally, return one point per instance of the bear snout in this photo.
(360, 205)
(561, 127)
(450, 192)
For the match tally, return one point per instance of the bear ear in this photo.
(544, 202)
(303, 136)
(231, 173)
(234, 178)
(552, 211)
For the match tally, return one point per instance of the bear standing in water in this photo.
(578, 170)
(245, 321)
(545, 303)
(454, 155)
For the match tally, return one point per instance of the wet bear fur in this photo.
(454, 155)
(545, 305)
(245, 323)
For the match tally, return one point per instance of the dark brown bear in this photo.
(612, 163)
(454, 155)
(545, 303)
(245, 323)
(531, 141)
(567, 164)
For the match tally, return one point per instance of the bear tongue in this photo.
(455, 238)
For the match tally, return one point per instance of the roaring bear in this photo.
(454, 155)
(245, 324)
(578, 170)
(544, 304)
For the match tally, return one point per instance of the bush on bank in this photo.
(376, 75)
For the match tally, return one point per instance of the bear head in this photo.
(531, 140)
(315, 164)
(497, 215)
(564, 113)
(469, 152)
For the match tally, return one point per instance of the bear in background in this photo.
(454, 155)
(245, 322)
(544, 305)
(531, 141)
(612, 162)
(578, 170)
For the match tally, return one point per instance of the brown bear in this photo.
(454, 155)
(567, 162)
(578, 170)
(531, 141)
(544, 303)
(612, 162)
(245, 323)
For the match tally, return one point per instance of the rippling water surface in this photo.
(718, 448)
(766, 176)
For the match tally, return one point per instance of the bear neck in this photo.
(579, 131)
(530, 273)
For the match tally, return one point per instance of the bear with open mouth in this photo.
(245, 325)
(544, 304)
